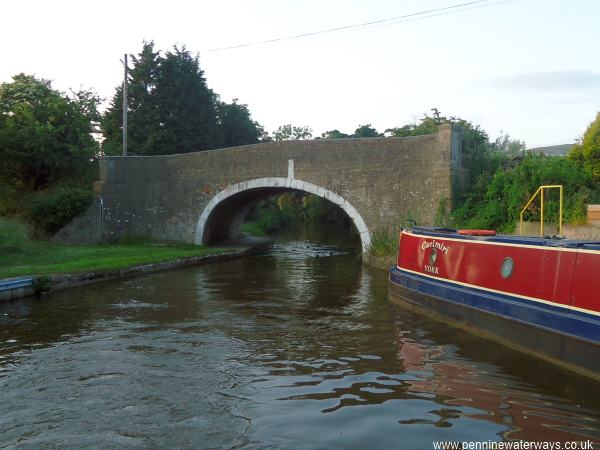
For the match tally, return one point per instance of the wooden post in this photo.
(125, 106)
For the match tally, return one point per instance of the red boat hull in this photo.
(526, 285)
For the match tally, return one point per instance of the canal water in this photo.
(295, 347)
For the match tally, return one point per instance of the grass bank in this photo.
(21, 256)
(383, 249)
(47, 259)
(384, 243)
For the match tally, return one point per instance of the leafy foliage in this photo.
(587, 152)
(499, 205)
(171, 109)
(366, 131)
(427, 125)
(479, 156)
(363, 131)
(293, 208)
(505, 144)
(335, 134)
(43, 285)
(45, 136)
(289, 132)
(268, 216)
(497, 201)
(237, 125)
(317, 209)
(54, 210)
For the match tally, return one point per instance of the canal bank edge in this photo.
(379, 262)
(20, 287)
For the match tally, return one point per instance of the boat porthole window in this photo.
(507, 267)
(432, 256)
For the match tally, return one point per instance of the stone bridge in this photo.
(203, 197)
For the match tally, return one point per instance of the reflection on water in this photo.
(298, 346)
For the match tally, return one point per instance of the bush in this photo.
(293, 208)
(43, 285)
(13, 236)
(504, 197)
(271, 219)
(45, 136)
(268, 215)
(54, 210)
(318, 210)
(587, 152)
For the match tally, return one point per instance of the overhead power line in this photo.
(390, 21)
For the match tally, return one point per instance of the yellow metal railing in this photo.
(541, 192)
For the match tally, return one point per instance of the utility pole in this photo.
(125, 107)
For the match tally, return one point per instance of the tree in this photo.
(505, 144)
(142, 120)
(366, 131)
(587, 152)
(292, 133)
(88, 103)
(45, 136)
(479, 156)
(170, 107)
(427, 125)
(509, 189)
(237, 126)
(187, 108)
(334, 134)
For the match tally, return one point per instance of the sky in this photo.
(529, 68)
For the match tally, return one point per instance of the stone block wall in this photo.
(83, 229)
(386, 180)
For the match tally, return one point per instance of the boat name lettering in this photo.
(431, 269)
(435, 244)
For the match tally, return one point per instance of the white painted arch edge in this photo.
(291, 183)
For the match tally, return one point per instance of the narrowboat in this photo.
(537, 294)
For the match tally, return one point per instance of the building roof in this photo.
(553, 150)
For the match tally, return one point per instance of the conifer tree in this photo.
(170, 108)
(143, 121)
(187, 111)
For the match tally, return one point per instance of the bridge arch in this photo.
(242, 196)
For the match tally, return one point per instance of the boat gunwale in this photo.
(566, 245)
